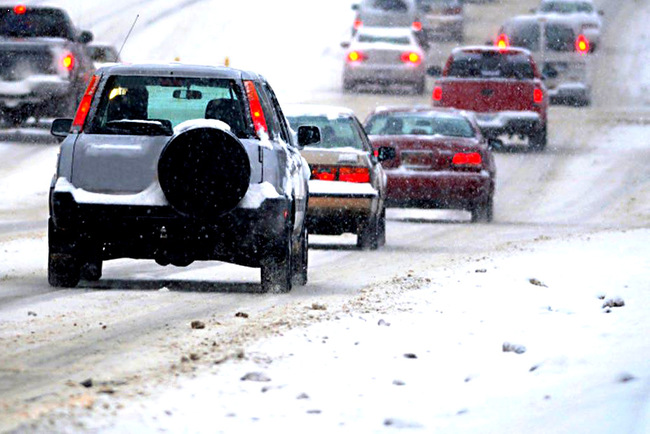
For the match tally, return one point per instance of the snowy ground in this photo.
(574, 218)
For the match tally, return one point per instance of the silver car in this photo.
(384, 56)
(385, 13)
(441, 19)
(582, 12)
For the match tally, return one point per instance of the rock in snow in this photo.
(513, 348)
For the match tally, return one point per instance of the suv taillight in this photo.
(356, 57)
(437, 94)
(20, 9)
(84, 106)
(416, 26)
(538, 96)
(582, 44)
(259, 120)
(67, 61)
(503, 41)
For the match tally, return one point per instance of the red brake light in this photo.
(259, 121)
(20, 9)
(411, 57)
(582, 44)
(538, 96)
(357, 24)
(416, 26)
(68, 61)
(503, 41)
(354, 174)
(437, 93)
(323, 173)
(84, 106)
(356, 56)
(467, 159)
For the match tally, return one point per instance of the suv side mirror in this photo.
(61, 128)
(386, 153)
(345, 44)
(355, 7)
(86, 37)
(308, 135)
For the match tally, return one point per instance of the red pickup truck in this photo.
(503, 86)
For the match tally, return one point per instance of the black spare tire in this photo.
(204, 172)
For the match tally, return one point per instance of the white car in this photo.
(583, 12)
(385, 56)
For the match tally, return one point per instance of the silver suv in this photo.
(179, 163)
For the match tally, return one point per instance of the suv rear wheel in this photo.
(276, 268)
(367, 234)
(63, 267)
(484, 212)
(301, 260)
(538, 139)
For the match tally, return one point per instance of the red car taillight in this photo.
(416, 26)
(538, 96)
(411, 57)
(503, 41)
(582, 44)
(343, 174)
(357, 24)
(437, 94)
(20, 9)
(259, 121)
(356, 57)
(453, 11)
(467, 159)
(67, 61)
(84, 106)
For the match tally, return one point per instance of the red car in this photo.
(442, 160)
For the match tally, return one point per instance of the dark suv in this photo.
(44, 67)
(179, 163)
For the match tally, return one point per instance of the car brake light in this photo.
(416, 26)
(84, 106)
(322, 173)
(453, 11)
(411, 57)
(356, 56)
(259, 121)
(582, 44)
(538, 96)
(357, 24)
(503, 41)
(437, 93)
(20, 9)
(471, 159)
(68, 61)
(354, 174)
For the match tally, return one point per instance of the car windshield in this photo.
(339, 132)
(144, 105)
(34, 23)
(491, 64)
(397, 124)
(566, 7)
(397, 40)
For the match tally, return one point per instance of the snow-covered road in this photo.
(130, 331)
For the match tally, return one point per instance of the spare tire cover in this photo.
(204, 172)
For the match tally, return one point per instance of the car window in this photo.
(524, 35)
(168, 101)
(559, 37)
(397, 40)
(336, 132)
(390, 5)
(35, 23)
(566, 7)
(491, 64)
(396, 124)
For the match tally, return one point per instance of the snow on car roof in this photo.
(330, 112)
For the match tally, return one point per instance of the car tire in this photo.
(367, 235)
(276, 270)
(91, 270)
(15, 118)
(301, 260)
(381, 228)
(484, 212)
(538, 139)
(348, 86)
(63, 266)
(421, 86)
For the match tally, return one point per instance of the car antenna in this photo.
(127, 35)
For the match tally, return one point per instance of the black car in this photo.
(179, 163)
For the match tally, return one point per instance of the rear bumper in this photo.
(570, 92)
(34, 91)
(152, 232)
(493, 125)
(384, 74)
(449, 190)
(340, 210)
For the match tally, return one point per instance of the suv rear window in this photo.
(491, 64)
(390, 5)
(396, 40)
(35, 23)
(134, 105)
(558, 37)
(564, 7)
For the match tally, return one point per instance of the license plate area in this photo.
(417, 159)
